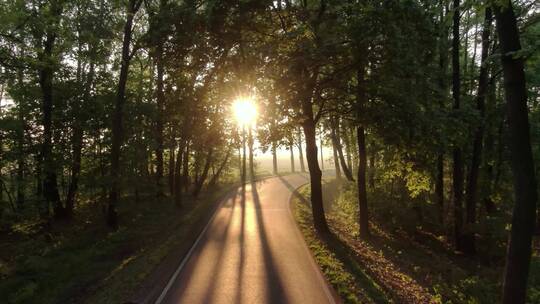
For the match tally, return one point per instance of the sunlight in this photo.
(245, 111)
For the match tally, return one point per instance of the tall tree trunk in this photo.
(361, 98)
(315, 173)
(117, 131)
(348, 149)
(178, 177)
(274, 159)
(251, 161)
(77, 144)
(291, 149)
(439, 186)
(372, 168)
(339, 148)
(443, 68)
(185, 166)
(336, 159)
(160, 98)
(523, 217)
(457, 175)
(172, 155)
(244, 155)
(217, 174)
(300, 152)
(322, 156)
(204, 174)
(472, 185)
(20, 155)
(46, 74)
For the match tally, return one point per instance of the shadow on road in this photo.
(275, 293)
(209, 297)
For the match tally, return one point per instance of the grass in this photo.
(84, 262)
(341, 270)
(403, 262)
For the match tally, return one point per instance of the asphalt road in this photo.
(251, 252)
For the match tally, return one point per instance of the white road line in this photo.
(190, 252)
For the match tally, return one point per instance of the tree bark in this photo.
(117, 131)
(274, 159)
(472, 185)
(251, 161)
(46, 74)
(291, 148)
(178, 177)
(322, 156)
(361, 98)
(525, 192)
(160, 98)
(336, 159)
(315, 173)
(172, 163)
(204, 175)
(77, 144)
(457, 174)
(339, 149)
(301, 153)
(215, 177)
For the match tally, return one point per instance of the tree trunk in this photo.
(361, 98)
(315, 173)
(472, 185)
(217, 174)
(185, 167)
(274, 159)
(292, 158)
(348, 149)
(20, 156)
(204, 175)
(523, 217)
(322, 156)
(46, 74)
(117, 131)
(457, 175)
(178, 179)
(372, 168)
(172, 164)
(339, 149)
(251, 161)
(160, 98)
(244, 155)
(336, 159)
(301, 153)
(77, 144)
(439, 186)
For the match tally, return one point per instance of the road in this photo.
(251, 252)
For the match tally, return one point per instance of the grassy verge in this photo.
(349, 280)
(403, 263)
(83, 261)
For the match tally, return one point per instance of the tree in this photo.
(117, 133)
(525, 188)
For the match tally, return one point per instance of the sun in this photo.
(245, 111)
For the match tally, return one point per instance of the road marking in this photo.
(190, 252)
(323, 282)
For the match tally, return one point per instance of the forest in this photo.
(126, 124)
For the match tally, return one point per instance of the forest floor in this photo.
(82, 261)
(397, 265)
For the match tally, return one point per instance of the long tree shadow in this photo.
(241, 241)
(275, 292)
(348, 257)
(210, 294)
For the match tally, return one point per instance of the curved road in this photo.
(251, 252)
